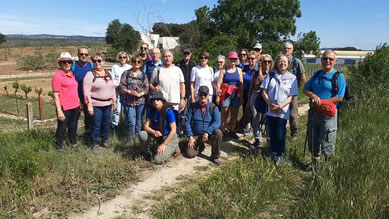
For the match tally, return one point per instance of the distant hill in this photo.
(53, 37)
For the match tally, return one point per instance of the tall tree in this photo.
(122, 36)
(307, 43)
(2, 38)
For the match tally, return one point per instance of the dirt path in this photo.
(164, 176)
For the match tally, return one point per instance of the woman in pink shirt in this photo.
(66, 101)
(100, 96)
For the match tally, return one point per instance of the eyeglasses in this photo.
(243, 54)
(143, 48)
(138, 62)
(83, 54)
(203, 94)
(219, 62)
(203, 58)
(266, 61)
(67, 62)
(97, 61)
(251, 58)
(122, 57)
(327, 58)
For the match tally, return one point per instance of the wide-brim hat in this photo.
(64, 56)
(156, 95)
(326, 107)
(233, 55)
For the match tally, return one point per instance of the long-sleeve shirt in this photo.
(101, 92)
(117, 71)
(197, 123)
(140, 84)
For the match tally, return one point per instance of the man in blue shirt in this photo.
(202, 126)
(322, 129)
(80, 68)
(159, 134)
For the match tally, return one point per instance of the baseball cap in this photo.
(326, 107)
(203, 89)
(258, 46)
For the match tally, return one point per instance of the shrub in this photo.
(37, 62)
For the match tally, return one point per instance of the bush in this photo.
(37, 62)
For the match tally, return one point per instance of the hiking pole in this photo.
(310, 112)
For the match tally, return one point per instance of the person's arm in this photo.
(113, 90)
(219, 83)
(301, 69)
(241, 85)
(216, 121)
(188, 121)
(302, 80)
(182, 95)
(87, 85)
(161, 147)
(192, 92)
(153, 79)
(60, 114)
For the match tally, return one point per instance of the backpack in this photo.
(211, 108)
(74, 66)
(107, 77)
(156, 82)
(334, 84)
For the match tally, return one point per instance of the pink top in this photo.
(101, 92)
(67, 87)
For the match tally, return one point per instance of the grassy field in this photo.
(352, 185)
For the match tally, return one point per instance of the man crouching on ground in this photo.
(159, 133)
(202, 126)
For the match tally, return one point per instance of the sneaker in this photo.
(216, 161)
(279, 160)
(106, 144)
(294, 137)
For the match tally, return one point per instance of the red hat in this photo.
(326, 107)
(233, 55)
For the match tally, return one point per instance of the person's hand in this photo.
(157, 88)
(135, 93)
(191, 142)
(217, 100)
(61, 116)
(182, 104)
(161, 148)
(141, 94)
(81, 107)
(157, 133)
(193, 99)
(275, 108)
(316, 100)
(114, 106)
(205, 137)
(90, 110)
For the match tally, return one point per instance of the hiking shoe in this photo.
(279, 160)
(314, 166)
(177, 152)
(294, 137)
(106, 144)
(59, 150)
(257, 143)
(271, 156)
(216, 161)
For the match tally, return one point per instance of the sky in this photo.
(363, 24)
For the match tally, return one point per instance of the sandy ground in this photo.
(164, 176)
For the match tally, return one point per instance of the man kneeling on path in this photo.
(202, 126)
(159, 134)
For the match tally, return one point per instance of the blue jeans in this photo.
(277, 131)
(134, 118)
(100, 123)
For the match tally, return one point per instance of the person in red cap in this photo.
(230, 93)
(322, 128)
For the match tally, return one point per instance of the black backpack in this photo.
(162, 118)
(107, 77)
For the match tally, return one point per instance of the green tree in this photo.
(122, 36)
(188, 33)
(2, 38)
(26, 89)
(307, 43)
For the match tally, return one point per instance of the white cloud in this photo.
(49, 25)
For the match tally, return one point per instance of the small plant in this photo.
(6, 89)
(26, 89)
(50, 94)
(38, 91)
(16, 86)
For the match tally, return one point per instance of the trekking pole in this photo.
(310, 112)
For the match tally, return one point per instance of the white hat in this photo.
(64, 56)
(258, 46)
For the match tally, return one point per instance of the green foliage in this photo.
(26, 89)
(50, 94)
(188, 33)
(122, 36)
(37, 62)
(307, 43)
(2, 38)
(16, 86)
(38, 91)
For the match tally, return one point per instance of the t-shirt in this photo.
(323, 88)
(80, 72)
(279, 89)
(297, 67)
(67, 87)
(101, 92)
(170, 118)
(247, 79)
(202, 76)
(170, 80)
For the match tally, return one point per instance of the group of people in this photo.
(192, 99)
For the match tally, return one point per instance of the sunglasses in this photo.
(122, 57)
(143, 48)
(257, 49)
(203, 94)
(251, 58)
(266, 61)
(203, 58)
(327, 58)
(158, 99)
(67, 62)
(97, 61)
(287, 48)
(233, 60)
(219, 62)
(83, 54)
(186, 53)
(243, 54)
(138, 62)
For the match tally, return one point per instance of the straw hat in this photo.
(64, 56)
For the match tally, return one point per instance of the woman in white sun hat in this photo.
(67, 103)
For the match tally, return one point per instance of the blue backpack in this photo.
(74, 66)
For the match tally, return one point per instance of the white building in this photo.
(344, 57)
(155, 41)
